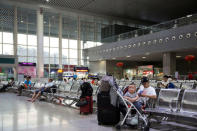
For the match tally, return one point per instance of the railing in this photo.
(190, 19)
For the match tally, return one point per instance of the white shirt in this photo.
(165, 83)
(50, 84)
(147, 91)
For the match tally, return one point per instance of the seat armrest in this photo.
(176, 105)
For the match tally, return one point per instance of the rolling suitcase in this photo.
(87, 108)
(106, 114)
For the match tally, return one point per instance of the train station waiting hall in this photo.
(98, 65)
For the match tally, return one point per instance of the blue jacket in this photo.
(170, 86)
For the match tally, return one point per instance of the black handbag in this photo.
(81, 103)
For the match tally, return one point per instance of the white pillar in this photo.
(79, 41)
(40, 65)
(169, 63)
(15, 31)
(60, 41)
(15, 42)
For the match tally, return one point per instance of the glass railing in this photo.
(189, 19)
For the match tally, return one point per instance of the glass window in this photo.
(65, 61)
(22, 59)
(54, 42)
(65, 53)
(82, 62)
(54, 52)
(73, 53)
(22, 27)
(46, 52)
(73, 61)
(22, 50)
(46, 41)
(82, 45)
(22, 39)
(54, 60)
(0, 37)
(7, 37)
(8, 49)
(32, 51)
(32, 59)
(73, 44)
(82, 54)
(1, 48)
(46, 60)
(32, 40)
(64, 43)
(32, 28)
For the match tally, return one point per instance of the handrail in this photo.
(190, 19)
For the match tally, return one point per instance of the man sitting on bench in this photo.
(10, 83)
(40, 91)
(146, 91)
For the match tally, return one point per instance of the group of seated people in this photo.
(139, 98)
(27, 85)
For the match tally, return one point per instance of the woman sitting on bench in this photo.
(40, 91)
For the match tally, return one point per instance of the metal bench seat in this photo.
(187, 111)
(166, 103)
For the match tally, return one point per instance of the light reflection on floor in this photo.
(17, 114)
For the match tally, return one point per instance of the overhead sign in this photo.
(81, 69)
(26, 64)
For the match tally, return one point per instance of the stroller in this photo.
(142, 118)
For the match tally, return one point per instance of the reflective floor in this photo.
(17, 114)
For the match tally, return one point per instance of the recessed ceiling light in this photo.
(47, 0)
(128, 56)
(143, 57)
(178, 56)
(22, 21)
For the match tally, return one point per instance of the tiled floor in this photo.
(17, 114)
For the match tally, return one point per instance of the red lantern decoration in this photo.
(119, 64)
(189, 58)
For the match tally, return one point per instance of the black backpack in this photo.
(86, 89)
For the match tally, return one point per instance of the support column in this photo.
(40, 65)
(60, 41)
(78, 41)
(15, 31)
(169, 63)
(15, 43)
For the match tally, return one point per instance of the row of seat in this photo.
(179, 104)
(176, 104)
(181, 84)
